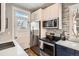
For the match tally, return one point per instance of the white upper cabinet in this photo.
(50, 12)
(36, 15)
(53, 12)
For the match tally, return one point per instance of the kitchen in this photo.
(57, 30)
(51, 29)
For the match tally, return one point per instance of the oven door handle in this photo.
(49, 44)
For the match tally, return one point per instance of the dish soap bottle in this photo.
(62, 36)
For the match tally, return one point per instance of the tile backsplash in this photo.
(56, 31)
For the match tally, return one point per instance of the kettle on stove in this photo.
(50, 36)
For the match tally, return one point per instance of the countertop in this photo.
(69, 44)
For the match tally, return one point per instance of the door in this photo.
(21, 27)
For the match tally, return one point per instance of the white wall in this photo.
(6, 36)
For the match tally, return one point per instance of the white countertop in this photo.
(69, 44)
(9, 52)
(19, 49)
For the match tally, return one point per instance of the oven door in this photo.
(48, 49)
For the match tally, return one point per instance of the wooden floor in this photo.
(36, 50)
(30, 52)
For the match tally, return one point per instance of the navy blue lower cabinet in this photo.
(76, 53)
(67, 51)
(64, 51)
(58, 50)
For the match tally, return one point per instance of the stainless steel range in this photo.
(47, 46)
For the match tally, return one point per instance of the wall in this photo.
(6, 36)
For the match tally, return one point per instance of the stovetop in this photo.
(51, 41)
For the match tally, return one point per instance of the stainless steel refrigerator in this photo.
(35, 36)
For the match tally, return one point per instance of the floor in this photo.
(31, 52)
(36, 49)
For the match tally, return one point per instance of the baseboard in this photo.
(6, 45)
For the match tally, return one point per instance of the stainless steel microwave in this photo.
(51, 23)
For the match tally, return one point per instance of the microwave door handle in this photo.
(53, 23)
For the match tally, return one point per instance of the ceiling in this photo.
(33, 6)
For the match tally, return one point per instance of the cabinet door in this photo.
(76, 53)
(36, 15)
(33, 16)
(67, 51)
(51, 12)
(46, 13)
(58, 50)
(64, 51)
(54, 11)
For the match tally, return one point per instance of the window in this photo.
(22, 19)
